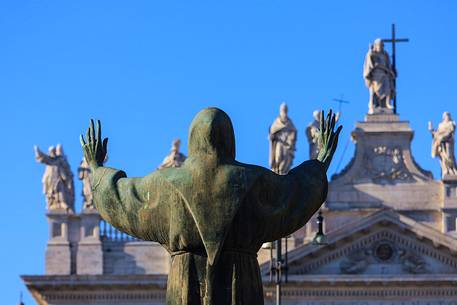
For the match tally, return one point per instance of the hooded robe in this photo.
(212, 214)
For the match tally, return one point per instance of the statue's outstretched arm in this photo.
(41, 156)
(286, 202)
(133, 205)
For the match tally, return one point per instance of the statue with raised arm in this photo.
(175, 158)
(443, 144)
(283, 136)
(57, 179)
(379, 77)
(213, 213)
(312, 133)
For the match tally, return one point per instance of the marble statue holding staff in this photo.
(283, 136)
(379, 77)
(443, 144)
(213, 213)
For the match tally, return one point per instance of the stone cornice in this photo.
(146, 289)
(113, 281)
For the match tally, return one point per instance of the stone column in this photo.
(90, 253)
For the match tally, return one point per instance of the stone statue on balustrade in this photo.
(213, 213)
(57, 179)
(175, 158)
(84, 176)
(283, 136)
(443, 144)
(379, 77)
(312, 133)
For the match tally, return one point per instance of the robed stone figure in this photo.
(213, 213)
(175, 158)
(379, 77)
(443, 144)
(85, 176)
(57, 180)
(283, 137)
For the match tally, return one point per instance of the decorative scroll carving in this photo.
(382, 252)
(356, 262)
(386, 163)
(411, 262)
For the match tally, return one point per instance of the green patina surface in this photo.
(212, 214)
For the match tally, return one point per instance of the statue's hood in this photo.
(211, 136)
(210, 182)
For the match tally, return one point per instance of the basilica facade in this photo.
(391, 239)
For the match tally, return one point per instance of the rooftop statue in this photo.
(379, 77)
(175, 158)
(84, 176)
(283, 136)
(213, 213)
(443, 144)
(57, 179)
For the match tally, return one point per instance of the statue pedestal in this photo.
(381, 110)
(382, 174)
(450, 204)
(90, 253)
(58, 250)
(382, 117)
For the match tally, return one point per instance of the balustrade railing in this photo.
(108, 232)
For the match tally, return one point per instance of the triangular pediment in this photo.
(386, 243)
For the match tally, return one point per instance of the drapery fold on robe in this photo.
(212, 214)
(377, 73)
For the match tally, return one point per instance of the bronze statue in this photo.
(213, 213)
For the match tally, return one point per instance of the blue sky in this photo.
(145, 68)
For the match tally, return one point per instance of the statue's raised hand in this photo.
(95, 149)
(328, 138)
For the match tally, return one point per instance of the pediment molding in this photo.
(401, 241)
(415, 245)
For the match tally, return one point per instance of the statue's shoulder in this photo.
(251, 172)
(291, 125)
